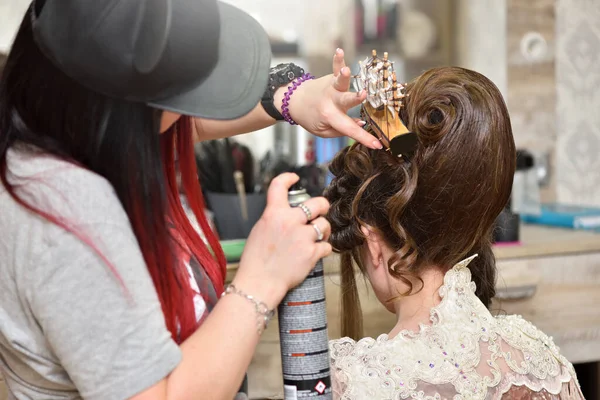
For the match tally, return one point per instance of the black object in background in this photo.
(312, 177)
(243, 391)
(391, 27)
(228, 215)
(227, 168)
(217, 160)
(207, 165)
(507, 228)
(587, 375)
(243, 161)
(284, 48)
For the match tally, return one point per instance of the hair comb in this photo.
(382, 106)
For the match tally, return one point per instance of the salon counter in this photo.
(552, 279)
(537, 241)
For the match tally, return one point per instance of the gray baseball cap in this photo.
(201, 58)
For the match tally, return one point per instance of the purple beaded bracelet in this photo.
(285, 105)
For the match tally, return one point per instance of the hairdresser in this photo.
(106, 292)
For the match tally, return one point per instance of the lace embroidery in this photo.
(465, 353)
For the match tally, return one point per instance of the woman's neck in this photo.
(415, 309)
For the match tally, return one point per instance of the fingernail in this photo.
(377, 144)
(338, 50)
(362, 123)
(344, 70)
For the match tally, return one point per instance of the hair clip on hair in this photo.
(381, 108)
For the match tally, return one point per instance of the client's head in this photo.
(433, 210)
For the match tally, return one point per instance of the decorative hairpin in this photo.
(382, 106)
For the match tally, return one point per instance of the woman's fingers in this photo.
(323, 228)
(338, 61)
(322, 250)
(349, 100)
(277, 196)
(348, 127)
(331, 133)
(342, 80)
(312, 209)
(360, 122)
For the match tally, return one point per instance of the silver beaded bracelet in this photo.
(264, 314)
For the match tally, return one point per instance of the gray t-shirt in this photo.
(69, 328)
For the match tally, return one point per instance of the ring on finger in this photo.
(306, 211)
(319, 232)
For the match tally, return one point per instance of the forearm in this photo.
(257, 119)
(216, 357)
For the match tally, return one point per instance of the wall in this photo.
(531, 81)
(480, 38)
(11, 14)
(316, 23)
(578, 101)
(553, 100)
(272, 17)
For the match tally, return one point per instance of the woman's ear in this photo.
(374, 247)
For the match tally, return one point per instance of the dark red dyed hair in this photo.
(44, 111)
(180, 138)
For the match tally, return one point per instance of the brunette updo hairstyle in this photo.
(437, 208)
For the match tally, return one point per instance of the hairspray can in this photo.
(303, 332)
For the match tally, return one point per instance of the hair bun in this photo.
(436, 108)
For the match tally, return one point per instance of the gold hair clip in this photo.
(382, 107)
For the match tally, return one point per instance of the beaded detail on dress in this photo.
(465, 353)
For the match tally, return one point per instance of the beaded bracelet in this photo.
(285, 105)
(264, 314)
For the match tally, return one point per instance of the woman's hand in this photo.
(320, 106)
(282, 248)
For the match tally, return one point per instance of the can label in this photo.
(304, 339)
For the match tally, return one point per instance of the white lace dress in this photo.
(465, 353)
